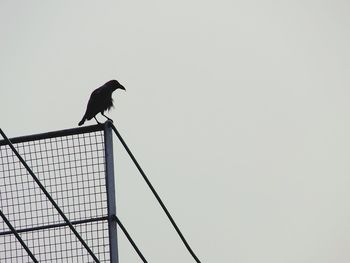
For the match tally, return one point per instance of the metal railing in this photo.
(59, 175)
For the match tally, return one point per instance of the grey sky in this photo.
(237, 110)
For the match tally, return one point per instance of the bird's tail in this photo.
(82, 121)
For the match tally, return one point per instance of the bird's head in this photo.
(114, 84)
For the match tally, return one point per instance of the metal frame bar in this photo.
(111, 197)
(29, 229)
(35, 178)
(20, 240)
(54, 134)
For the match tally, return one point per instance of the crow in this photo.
(100, 100)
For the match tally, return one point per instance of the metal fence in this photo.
(76, 167)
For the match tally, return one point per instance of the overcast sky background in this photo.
(237, 110)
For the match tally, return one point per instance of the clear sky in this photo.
(237, 110)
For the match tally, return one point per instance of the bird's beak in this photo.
(122, 87)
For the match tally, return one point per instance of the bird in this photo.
(101, 100)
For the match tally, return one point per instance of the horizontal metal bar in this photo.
(53, 134)
(36, 228)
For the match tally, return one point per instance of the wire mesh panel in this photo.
(71, 165)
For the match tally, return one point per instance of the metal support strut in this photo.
(156, 195)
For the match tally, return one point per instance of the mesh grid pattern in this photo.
(72, 169)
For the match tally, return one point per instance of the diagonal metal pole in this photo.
(130, 239)
(20, 240)
(49, 197)
(155, 194)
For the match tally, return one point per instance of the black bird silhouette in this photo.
(100, 100)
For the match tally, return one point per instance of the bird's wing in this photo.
(93, 104)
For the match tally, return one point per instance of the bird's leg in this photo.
(97, 120)
(107, 117)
